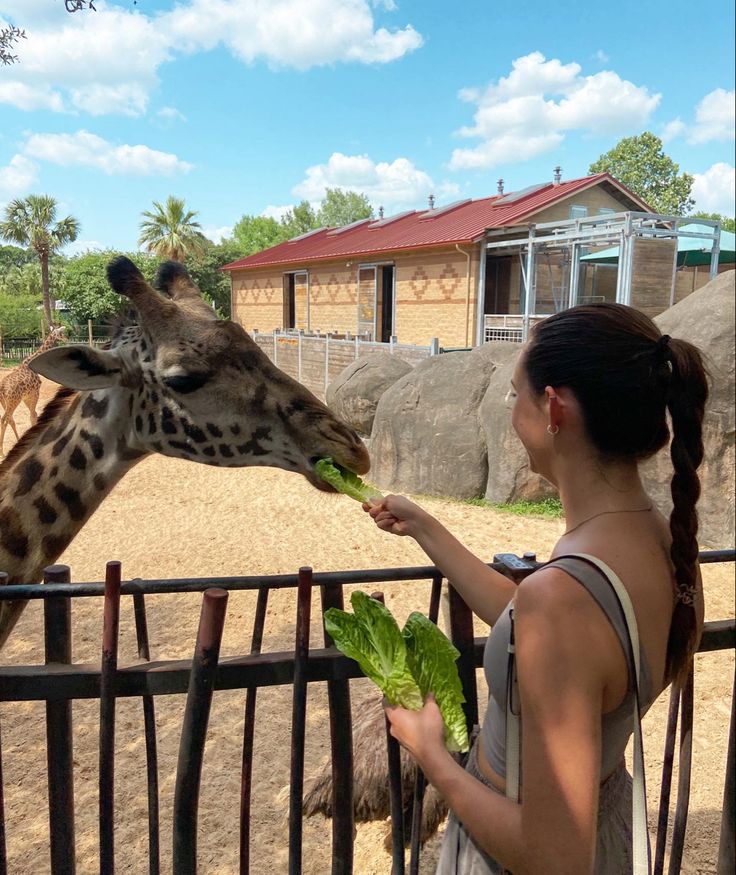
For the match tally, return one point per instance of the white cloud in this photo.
(288, 33)
(171, 113)
(17, 177)
(89, 150)
(392, 185)
(715, 190)
(96, 63)
(672, 130)
(601, 56)
(272, 212)
(81, 247)
(216, 234)
(527, 112)
(108, 62)
(715, 117)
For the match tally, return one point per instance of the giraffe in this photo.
(23, 384)
(175, 381)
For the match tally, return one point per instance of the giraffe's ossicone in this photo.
(176, 380)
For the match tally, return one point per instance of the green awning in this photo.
(691, 251)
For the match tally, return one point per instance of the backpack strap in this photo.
(641, 847)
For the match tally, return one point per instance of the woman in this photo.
(590, 395)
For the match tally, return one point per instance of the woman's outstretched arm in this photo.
(484, 590)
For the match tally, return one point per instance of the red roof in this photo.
(465, 222)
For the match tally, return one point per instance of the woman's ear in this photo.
(555, 409)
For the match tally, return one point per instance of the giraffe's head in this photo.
(199, 388)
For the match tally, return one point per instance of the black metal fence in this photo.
(59, 681)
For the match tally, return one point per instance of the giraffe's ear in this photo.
(79, 367)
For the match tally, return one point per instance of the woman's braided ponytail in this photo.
(686, 404)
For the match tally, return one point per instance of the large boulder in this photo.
(354, 393)
(509, 476)
(706, 319)
(427, 435)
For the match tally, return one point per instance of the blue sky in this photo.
(249, 106)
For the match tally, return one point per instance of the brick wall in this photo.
(431, 290)
(432, 297)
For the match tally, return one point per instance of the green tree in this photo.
(343, 207)
(255, 233)
(298, 220)
(170, 232)
(641, 164)
(14, 256)
(31, 222)
(87, 291)
(19, 316)
(213, 282)
(727, 223)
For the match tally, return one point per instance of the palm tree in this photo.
(170, 231)
(31, 222)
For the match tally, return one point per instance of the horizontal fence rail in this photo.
(59, 681)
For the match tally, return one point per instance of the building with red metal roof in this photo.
(420, 274)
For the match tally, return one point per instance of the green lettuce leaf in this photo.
(344, 481)
(431, 658)
(405, 665)
(371, 636)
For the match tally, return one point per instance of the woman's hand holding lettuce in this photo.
(406, 665)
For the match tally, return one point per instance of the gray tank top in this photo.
(616, 726)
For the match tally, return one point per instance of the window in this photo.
(606, 211)
(577, 211)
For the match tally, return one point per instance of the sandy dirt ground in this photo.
(171, 518)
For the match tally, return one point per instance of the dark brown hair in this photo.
(626, 375)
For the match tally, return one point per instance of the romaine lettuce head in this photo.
(344, 481)
(371, 636)
(431, 658)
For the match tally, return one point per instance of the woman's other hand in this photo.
(421, 732)
(397, 515)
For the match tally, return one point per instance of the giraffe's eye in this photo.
(185, 383)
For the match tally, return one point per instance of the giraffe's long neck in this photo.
(48, 342)
(55, 478)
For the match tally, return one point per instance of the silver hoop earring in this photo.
(552, 429)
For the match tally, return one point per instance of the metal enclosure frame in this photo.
(621, 229)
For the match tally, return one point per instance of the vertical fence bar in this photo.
(149, 724)
(108, 672)
(420, 784)
(726, 847)
(434, 598)
(299, 719)
(194, 730)
(59, 751)
(249, 723)
(664, 795)
(395, 790)
(683, 777)
(341, 745)
(461, 632)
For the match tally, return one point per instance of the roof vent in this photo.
(518, 195)
(500, 186)
(431, 201)
(557, 178)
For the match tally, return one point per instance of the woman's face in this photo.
(529, 417)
